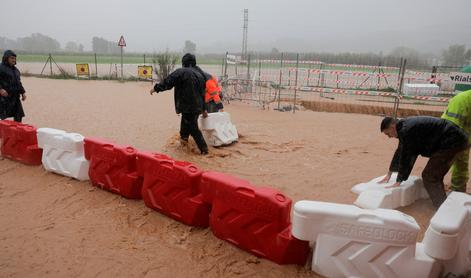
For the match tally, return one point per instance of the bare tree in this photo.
(165, 63)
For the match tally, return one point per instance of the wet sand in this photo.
(53, 226)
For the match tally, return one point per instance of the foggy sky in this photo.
(216, 25)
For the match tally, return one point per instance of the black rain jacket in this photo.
(10, 106)
(423, 136)
(189, 90)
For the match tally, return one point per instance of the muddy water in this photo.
(54, 226)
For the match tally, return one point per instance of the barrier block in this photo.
(355, 242)
(172, 188)
(113, 167)
(19, 142)
(373, 195)
(256, 219)
(447, 238)
(63, 153)
(218, 129)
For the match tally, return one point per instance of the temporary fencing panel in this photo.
(113, 167)
(256, 219)
(172, 188)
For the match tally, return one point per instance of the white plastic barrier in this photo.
(63, 153)
(218, 129)
(448, 237)
(421, 89)
(355, 242)
(373, 195)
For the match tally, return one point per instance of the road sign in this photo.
(82, 70)
(461, 77)
(144, 72)
(122, 42)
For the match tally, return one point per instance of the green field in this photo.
(101, 59)
(88, 58)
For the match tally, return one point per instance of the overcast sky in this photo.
(216, 25)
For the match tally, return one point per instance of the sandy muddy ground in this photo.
(53, 226)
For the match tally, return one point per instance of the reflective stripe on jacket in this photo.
(459, 110)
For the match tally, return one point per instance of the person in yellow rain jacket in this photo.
(459, 112)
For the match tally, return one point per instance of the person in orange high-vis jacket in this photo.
(213, 95)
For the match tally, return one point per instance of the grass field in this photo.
(88, 58)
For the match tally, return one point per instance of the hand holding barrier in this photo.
(218, 129)
(373, 195)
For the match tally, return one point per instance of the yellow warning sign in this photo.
(144, 72)
(82, 70)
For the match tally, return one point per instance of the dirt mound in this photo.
(324, 106)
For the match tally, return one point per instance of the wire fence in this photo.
(291, 84)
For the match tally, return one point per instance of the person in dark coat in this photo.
(438, 139)
(189, 94)
(11, 88)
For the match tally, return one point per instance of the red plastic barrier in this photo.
(20, 143)
(172, 188)
(256, 219)
(113, 167)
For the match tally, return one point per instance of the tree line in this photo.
(455, 55)
(39, 43)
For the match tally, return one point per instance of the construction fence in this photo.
(291, 84)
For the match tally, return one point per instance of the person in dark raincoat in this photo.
(438, 139)
(11, 89)
(189, 94)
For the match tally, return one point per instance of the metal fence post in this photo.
(296, 82)
(279, 83)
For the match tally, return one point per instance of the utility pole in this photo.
(244, 34)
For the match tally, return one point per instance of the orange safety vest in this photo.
(212, 90)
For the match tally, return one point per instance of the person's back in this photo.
(425, 135)
(189, 89)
